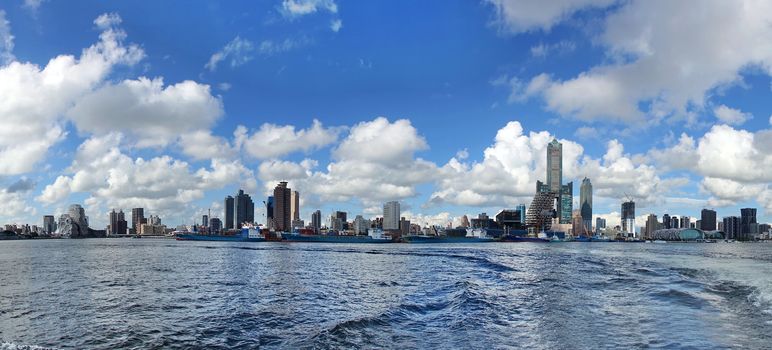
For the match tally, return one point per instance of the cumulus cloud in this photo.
(146, 110)
(14, 207)
(161, 184)
(60, 84)
(664, 59)
(22, 185)
(272, 141)
(516, 16)
(731, 116)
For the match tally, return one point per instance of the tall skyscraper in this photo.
(391, 215)
(229, 215)
(555, 167)
(215, 225)
(269, 212)
(137, 218)
(708, 220)
(666, 221)
(566, 202)
(685, 221)
(732, 226)
(316, 221)
(747, 221)
(282, 196)
(674, 222)
(628, 218)
(651, 225)
(244, 209)
(205, 220)
(49, 224)
(117, 223)
(585, 204)
(521, 208)
(295, 205)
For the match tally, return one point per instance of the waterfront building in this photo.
(652, 225)
(674, 222)
(600, 223)
(243, 210)
(316, 221)
(577, 224)
(585, 204)
(483, 221)
(229, 212)
(282, 196)
(343, 216)
(118, 224)
(154, 220)
(685, 221)
(137, 218)
(295, 205)
(511, 219)
(666, 222)
(747, 219)
(205, 220)
(49, 224)
(628, 218)
(336, 223)
(708, 220)
(541, 212)
(566, 202)
(152, 230)
(685, 234)
(391, 216)
(74, 223)
(361, 225)
(215, 225)
(521, 208)
(404, 226)
(269, 213)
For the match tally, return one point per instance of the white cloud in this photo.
(730, 115)
(201, 144)
(336, 25)
(516, 16)
(273, 141)
(665, 58)
(146, 110)
(296, 8)
(381, 141)
(544, 50)
(33, 5)
(6, 40)
(14, 207)
(586, 132)
(30, 128)
(238, 50)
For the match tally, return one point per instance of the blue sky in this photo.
(445, 106)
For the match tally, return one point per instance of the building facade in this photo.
(391, 216)
(137, 218)
(295, 205)
(316, 221)
(708, 220)
(243, 210)
(229, 215)
(282, 196)
(747, 223)
(555, 166)
(628, 218)
(585, 204)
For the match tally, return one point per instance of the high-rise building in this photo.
(229, 215)
(666, 221)
(566, 202)
(154, 220)
(282, 196)
(316, 221)
(295, 205)
(541, 212)
(465, 221)
(361, 225)
(269, 212)
(628, 218)
(651, 225)
(74, 223)
(244, 209)
(577, 224)
(205, 220)
(732, 225)
(685, 221)
(391, 216)
(708, 220)
(404, 226)
(336, 223)
(49, 224)
(585, 204)
(555, 166)
(673, 222)
(215, 225)
(118, 224)
(600, 223)
(137, 218)
(747, 221)
(343, 216)
(521, 208)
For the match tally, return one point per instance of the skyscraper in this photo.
(205, 220)
(215, 225)
(666, 221)
(282, 196)
(566, 202)
(600, 223)
(244, 209)
(229, 215)
(747, 219)
(295, 205)
(708, 220)
(343, 217)
(628, 218)
(521, 208)
(685, 221)
(651, 225)
(117, 223)
(316, 221)
(555, 167)
(674, 222)
(269, 212)
(137, 218)
(585, 204)
(49, 224)
(732, 227)
(391, 215)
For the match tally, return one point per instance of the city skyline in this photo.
(472, 141)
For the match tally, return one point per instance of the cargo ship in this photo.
(373, 236)
(247, 234)
(472, 236)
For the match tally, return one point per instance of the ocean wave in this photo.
(4, 345)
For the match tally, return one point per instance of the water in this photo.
(129, 293)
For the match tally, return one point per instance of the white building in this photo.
(391, 216)
(361, 225)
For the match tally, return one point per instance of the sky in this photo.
(445, 106)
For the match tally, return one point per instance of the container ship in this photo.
(303, 235)
(247, 234)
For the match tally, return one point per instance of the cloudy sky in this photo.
(446, 106)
